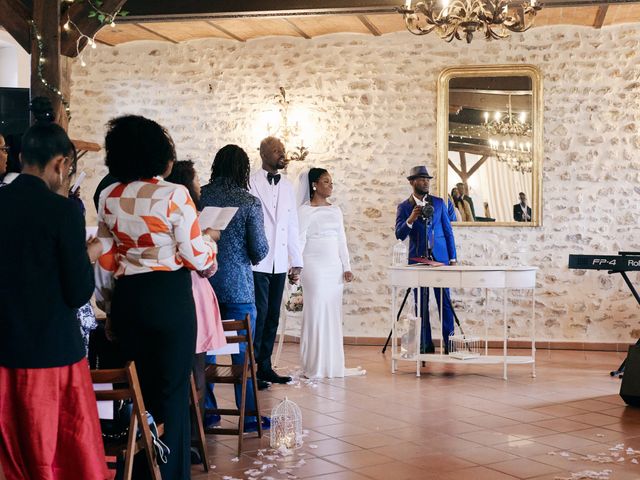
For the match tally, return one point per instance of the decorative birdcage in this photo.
(464, 347)
(286, 425)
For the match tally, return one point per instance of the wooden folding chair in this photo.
(200, 443)
(127, 386)
(236, 375)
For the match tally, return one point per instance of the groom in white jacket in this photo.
(281, 228)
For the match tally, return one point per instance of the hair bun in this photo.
(42, 110)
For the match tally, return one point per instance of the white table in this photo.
(498, 277)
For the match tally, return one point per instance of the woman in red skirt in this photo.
(49, 426)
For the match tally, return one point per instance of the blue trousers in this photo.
(447, 314)
(235, 311)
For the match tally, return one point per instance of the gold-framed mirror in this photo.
(490, 144)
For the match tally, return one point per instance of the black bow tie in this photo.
(273, 178)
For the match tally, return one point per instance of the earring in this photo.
(314, 188)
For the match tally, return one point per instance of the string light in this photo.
(41, 60)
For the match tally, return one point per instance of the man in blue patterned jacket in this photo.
(410, 221)
(242, 244)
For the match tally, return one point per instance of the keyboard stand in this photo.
(620, 371)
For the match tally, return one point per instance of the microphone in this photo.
(427, 210)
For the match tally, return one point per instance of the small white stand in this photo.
(499, 277)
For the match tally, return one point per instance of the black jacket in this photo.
(45, 275)
(517, 213)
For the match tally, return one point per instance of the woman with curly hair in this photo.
(149, 230)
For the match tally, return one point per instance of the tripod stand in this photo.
(620, 371)
(446, 297)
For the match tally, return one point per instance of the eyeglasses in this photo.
(5, 149)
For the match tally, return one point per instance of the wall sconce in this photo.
(288, 130)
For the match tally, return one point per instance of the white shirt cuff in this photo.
(410, 225)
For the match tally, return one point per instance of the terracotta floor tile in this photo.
(477, 473)
(487, 455)
(343, 475)
(395, 471)
(563, 440)
(562, 425)
(314, 467)
(358, 459)
(455, 422)
(595, 419)
(330, 446)
(524, 468)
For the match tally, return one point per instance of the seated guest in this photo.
(149, 230)
(242, 244)
(521, 211)
(49, 424)
(210, 334)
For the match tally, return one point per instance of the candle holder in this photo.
(286, 425)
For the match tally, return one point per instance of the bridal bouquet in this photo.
(294, 304)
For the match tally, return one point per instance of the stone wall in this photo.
(372, 103)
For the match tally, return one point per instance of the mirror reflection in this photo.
(491, 172)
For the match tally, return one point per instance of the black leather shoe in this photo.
(273, 377)
(262, 385)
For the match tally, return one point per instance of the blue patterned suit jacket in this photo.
(242, 244)
(440, 232)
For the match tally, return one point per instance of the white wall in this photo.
(373, 102)
(15, 63)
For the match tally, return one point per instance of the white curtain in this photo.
(494, 183)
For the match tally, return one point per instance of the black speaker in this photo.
(630, 388)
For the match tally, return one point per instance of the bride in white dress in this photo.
(326, 268)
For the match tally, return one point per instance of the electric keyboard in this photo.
(624, 262)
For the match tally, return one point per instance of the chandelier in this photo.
(462, 18)
(510, 139)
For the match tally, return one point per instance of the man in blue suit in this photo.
(431, 236)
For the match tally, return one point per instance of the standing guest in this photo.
(209, 331)
(461, 205)
(521, 211)
(463, 188)
(281, 229)
(427, 237)
(48, 417)
(327, 268)
(241, 245)
(149, 230)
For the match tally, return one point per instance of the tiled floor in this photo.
(454, 422)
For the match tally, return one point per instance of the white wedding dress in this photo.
(326, 258)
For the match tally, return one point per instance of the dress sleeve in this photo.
(193, 250)
(303, 227)
(342, 245)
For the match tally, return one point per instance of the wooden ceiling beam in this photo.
(15, 18)
(367, 23)
(226, 32)
(300, 32)
(600, 16)
(78, 13)
(153, 32)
